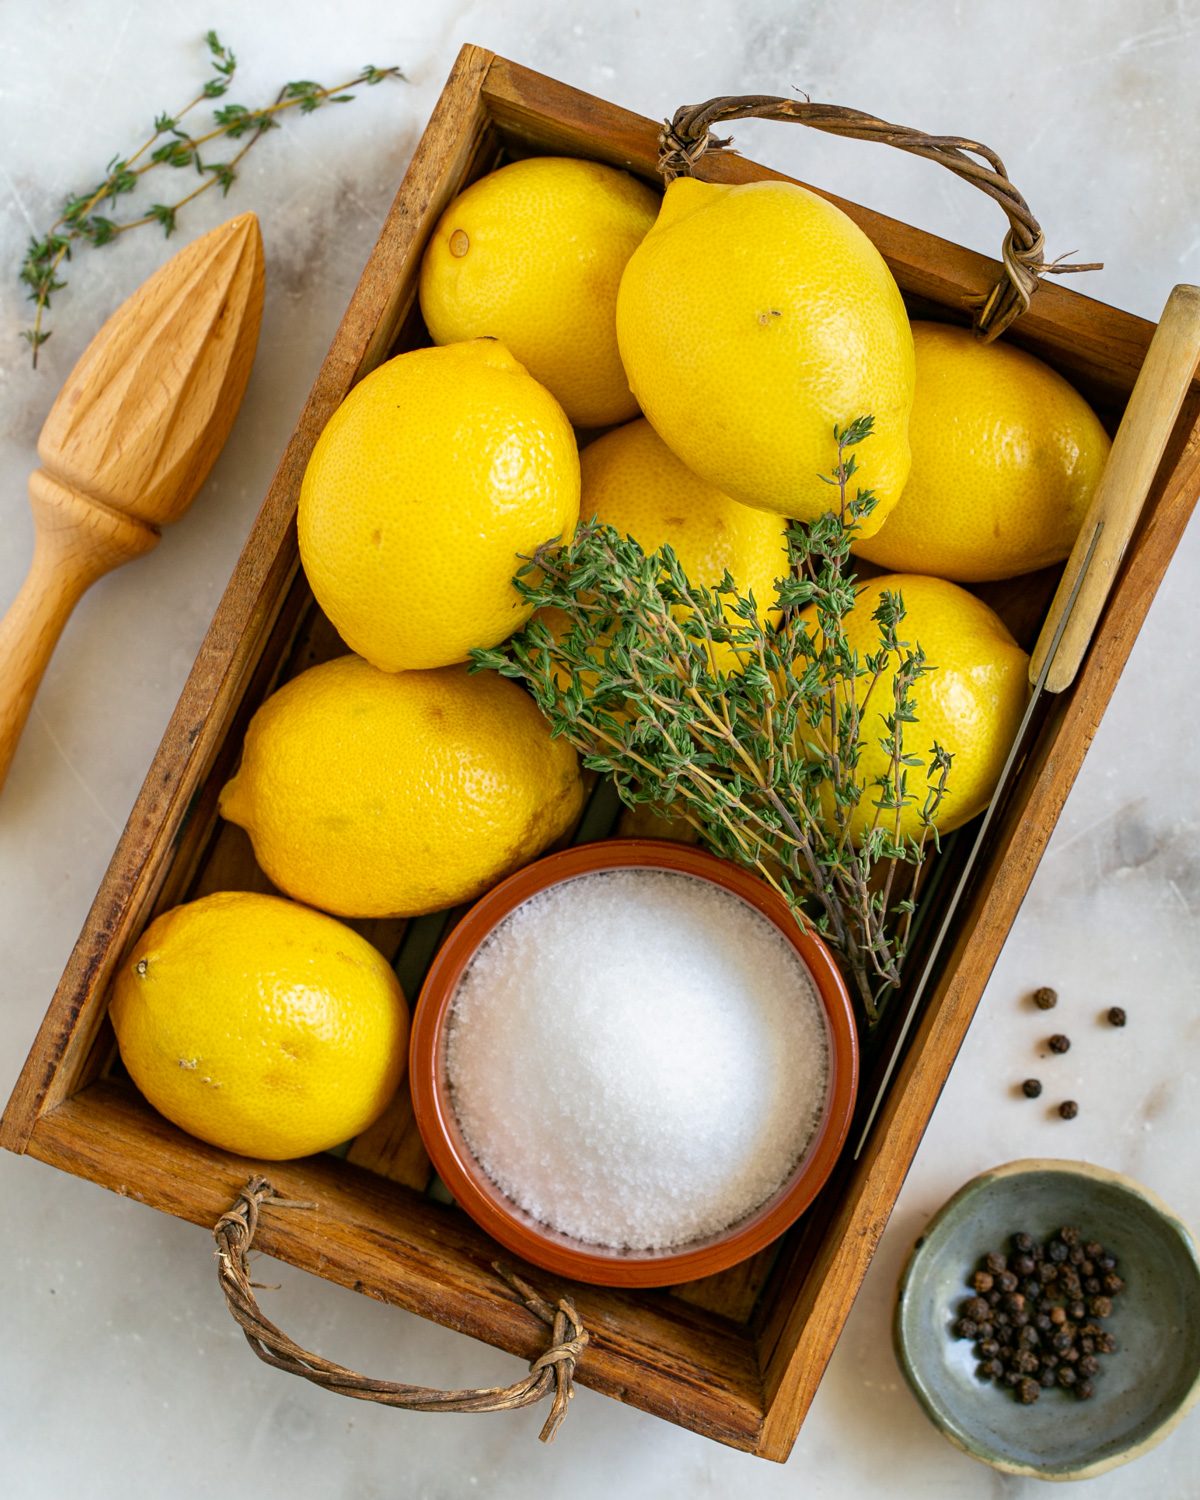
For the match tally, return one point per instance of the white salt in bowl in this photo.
(440, 1118)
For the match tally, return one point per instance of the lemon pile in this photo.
(719, 337)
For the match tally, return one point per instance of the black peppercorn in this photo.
(1031, 1088)
(1116, 1016)
(1059, 1043)
(1068, 1109)
(1045, 998)
(1027, 1317)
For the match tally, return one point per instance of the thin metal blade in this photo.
(935, 948)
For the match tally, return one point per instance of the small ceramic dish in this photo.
(1142, 1391)
(474, 1191)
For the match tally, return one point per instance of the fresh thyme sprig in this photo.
(170, 145)
(753, 732)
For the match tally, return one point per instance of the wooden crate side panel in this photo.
(652, 1352)
(809, 1310)
(232, 648)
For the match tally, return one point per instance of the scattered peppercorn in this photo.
(1031, 1088)
(1059, 1043)
(1027, 1317)
(1045, 998)
(1116, 1016)
(1068, 1109)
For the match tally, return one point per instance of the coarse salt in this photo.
(637, 1058)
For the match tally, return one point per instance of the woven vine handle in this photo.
(551, 1372)
(687, 136)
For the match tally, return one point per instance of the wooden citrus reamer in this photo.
(130, 440)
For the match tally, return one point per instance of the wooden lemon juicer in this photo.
(130, 440)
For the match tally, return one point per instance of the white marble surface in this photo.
(120, 1374)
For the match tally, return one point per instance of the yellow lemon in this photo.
(431, 478)
(374, 794)
(751, 320)
(260, 1026)
(533, 254)
(970, 703)
(634, 483)
(1005, 457)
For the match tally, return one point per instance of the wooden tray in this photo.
(737, 1357)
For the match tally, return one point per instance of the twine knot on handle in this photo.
(687, 137)
(553, 1370)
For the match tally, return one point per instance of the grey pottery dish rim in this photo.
(936, 1414)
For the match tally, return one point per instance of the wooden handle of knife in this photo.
(1137, 450)
(77, 540)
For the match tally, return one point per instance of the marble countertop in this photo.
(120, 1373)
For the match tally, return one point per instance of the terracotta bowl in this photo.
(498, 1214)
